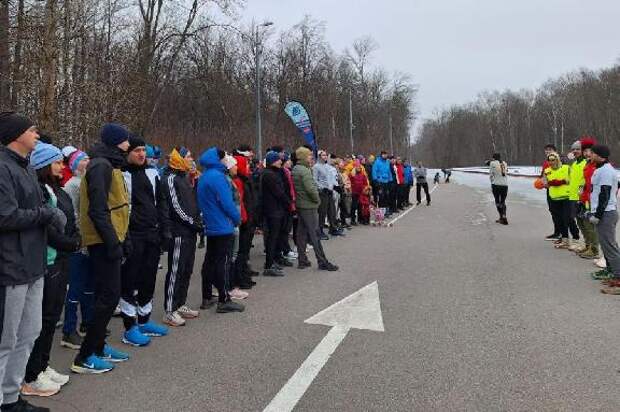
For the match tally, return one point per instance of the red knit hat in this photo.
(587, 142)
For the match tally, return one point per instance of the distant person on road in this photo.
(408, 170)
(420, 173)
(498, 173)
(436, 179)
(604, 214)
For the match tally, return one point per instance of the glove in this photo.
(594, 220)
(55, 218)
(198, 227)
(115, 252)
(127, 247)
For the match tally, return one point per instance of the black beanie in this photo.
(135, 141)
(12, 125)
(601, 150)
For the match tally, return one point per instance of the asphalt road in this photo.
(478, 317)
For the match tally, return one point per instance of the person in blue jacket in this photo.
(382, 176)
(408, 180)
(220, 215)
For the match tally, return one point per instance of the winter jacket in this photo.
(359, 181)
(240, 186)
(322, 175)
(104, 202)
(558, 181)
(408, 175)
(368, 168)
(400, 173)
(306, 189)
(69, 241)
(381, 172)
(143, 186)
(178, 211)
(72, 188)
(290, 188)
(588, 172)
(577, 180)
(420, 174)
(215, 197)
(498, 173)
(275, 195)
(23, 218)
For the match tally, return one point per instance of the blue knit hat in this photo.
(44, 154)
(150, 153)
(113, 134)
(271, 158)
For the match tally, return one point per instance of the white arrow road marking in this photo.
(361, 310)
(391, 222)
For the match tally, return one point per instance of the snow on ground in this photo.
(519, 188)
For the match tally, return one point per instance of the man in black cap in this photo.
(23, 221)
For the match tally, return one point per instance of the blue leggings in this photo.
(81, 292)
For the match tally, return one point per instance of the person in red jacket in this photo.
(587, 228)
(402, 200)
(359, 181)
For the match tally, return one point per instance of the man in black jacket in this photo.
(104, 222)
(181, 223)
(276, 204)
(23, 221)
(139, 272)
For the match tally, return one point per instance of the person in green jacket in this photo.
(307, 204)
(577, 182)
(558, 182)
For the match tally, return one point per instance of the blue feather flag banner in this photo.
(299, 115)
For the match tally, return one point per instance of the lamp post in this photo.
(259, 133)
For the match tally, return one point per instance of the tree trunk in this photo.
(17, 62)
(5, 69)
(49, 70)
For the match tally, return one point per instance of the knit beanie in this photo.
(135, 141)
(183, 151)
(75, 159)
(113, 134)
(67, 151)
(587, 142)
(271, 158)
(44, 155)
(601, 150)
(576, 145)
(12, 125)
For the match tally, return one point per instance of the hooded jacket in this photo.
(220, 214)
(249, 197)
(275, 194)
(381, 172)
(23, 218)
(69, 240)
(408, 175)
(306, 189)
(178, 211)
(358, 182)
(143, 186)
(104, 202)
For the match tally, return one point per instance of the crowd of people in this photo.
(84, 231)
(582, 197)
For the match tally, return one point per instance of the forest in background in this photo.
(183, 72)
(519, 124)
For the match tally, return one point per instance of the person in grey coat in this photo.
(420, 173)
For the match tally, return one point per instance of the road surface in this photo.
(477, 316)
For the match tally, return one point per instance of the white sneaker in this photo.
(187, 313)
(292, 255)
(602, 263)
(54, 376)
(173, 319)
(239, 294)
(117, 311)
(43, 386)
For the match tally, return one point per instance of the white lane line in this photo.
(391, 223)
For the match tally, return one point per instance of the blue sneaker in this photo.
(153, 329)
(135, 337)
(93, 364)
(112, 355)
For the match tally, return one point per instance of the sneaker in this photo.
(151, 328)
(113, 355)
(187, 313)
(93, 364)
(117, 311)
(303, 265)
(552, 236)
(56, 377)
(328, 266)
(611, 290)
(228, 307)
(601, 274)
(602, 263)
(238, 294)
(292, 255)
(134, 337)
(577, 247)
(273, 271)
(284, 263)
(588, 254)
(323, 236)
(173, 319)
(22, 406)
(207, 303)
(201, 244)
(337, 233)
(43, 386)
(72, 341)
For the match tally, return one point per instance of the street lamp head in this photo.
(267, 24)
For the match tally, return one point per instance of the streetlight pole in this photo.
(259, 129)
(351, 121)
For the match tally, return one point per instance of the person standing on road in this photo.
(104, 224)
(399, 172)
(308, 200)
(557, 177)
(577, 182)
(587, 228)
(604, 214)
(382, 176)
(23, 221)
(181, 224)
(220, 216)
(420, 173)
(323, 177)
(549, 149)
(359, 181)
(408, 170)
(498, 173)
(139, 272)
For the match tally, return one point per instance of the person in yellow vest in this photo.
(558, 183)
(104, 222)
(577, 182)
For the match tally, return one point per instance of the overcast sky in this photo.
(454, 49)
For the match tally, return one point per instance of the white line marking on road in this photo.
(361, 310)
(391, 223)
